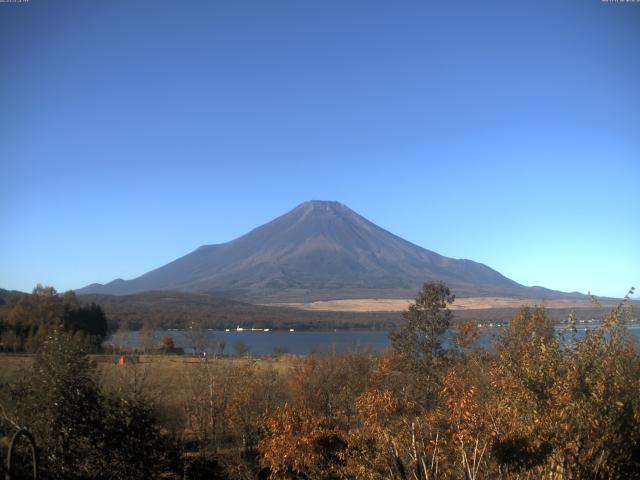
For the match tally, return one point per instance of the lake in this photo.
(304, 342)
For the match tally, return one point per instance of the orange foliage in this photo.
(299, 442)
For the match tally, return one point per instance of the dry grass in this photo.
(400, 304)
(165, 382)
(158, 371)
(12, 367)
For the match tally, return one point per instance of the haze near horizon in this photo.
(507, 133)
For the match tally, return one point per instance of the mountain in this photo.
(7, 295)
(319, 250)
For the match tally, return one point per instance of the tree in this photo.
(426, 320)
(167, 343)
(328, 385)
(419, 339)
(89, 320)
(30, 317)
(197, 336)
(43, 291)
(147, 337)
(596, 408)
(133, 445)
(217, 345)
(62, 407)
(300, 444)
(418, 342)
(467, 333)
(120, 338)
(394, 440)
(241, 348)
(81, 432)
(572, 409)
(280, 350)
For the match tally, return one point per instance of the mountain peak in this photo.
(319, 250)
(321, 212)
(322, 206)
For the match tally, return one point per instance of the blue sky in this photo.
(507, 132)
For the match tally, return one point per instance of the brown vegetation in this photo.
(162, 310)
(26, 320)
(401, 304)
(537, 406)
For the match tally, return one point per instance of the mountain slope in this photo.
(319, 250)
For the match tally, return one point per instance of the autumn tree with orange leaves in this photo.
(538, 406)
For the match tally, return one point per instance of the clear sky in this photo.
(507, 132)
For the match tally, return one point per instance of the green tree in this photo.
(420, 337)
(88, 320)
(133, 445)
(29, 318)
(81, 433)
(418, 342)
(62, 407)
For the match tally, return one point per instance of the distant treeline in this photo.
(162, 310)
(25, 320)
(22, 315)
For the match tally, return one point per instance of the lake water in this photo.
(304, 342)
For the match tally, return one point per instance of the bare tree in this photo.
(197, 336)
(147, 337)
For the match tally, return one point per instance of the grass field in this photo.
(400, 304)
(160, 374)
(179, 388)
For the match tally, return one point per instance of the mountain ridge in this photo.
(319, 250)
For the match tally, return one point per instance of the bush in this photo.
(80, 432)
